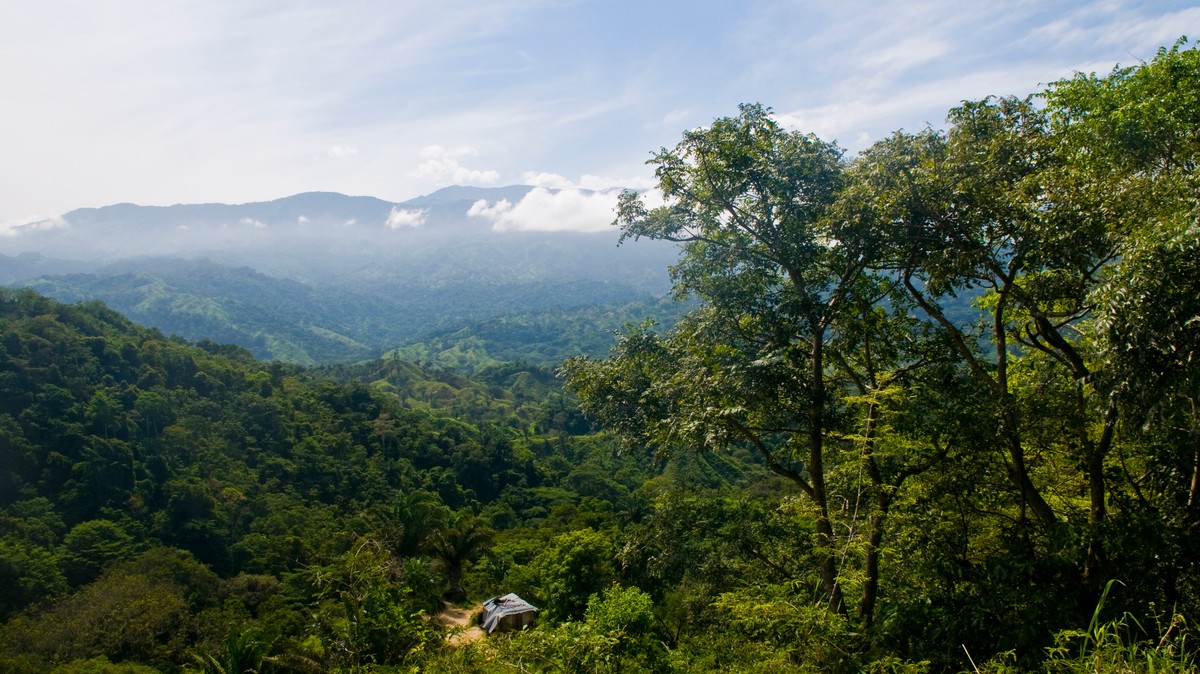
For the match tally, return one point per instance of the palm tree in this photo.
(463, 539)
(419, 516)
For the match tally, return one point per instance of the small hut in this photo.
(510, 612)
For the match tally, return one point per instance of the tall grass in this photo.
(1120, 646)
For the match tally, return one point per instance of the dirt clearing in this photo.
(457, 620)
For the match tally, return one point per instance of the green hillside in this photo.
(213, 500)
(293, 322)
(544, 338)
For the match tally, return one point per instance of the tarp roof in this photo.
(498, 607)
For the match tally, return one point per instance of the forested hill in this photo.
(294, 322)
(160, 500)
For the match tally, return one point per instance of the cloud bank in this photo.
(401, 218)
(547, 210)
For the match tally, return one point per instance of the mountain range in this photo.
(324, 277)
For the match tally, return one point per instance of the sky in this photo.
(158, 102)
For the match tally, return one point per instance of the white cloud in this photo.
(258, 224)
(19, 226)
(341, 152)
(442, 165)
(229, 101)
(554, 181)
(302, 220)
(548, 211)
(851, 120)
(481, 209)
(400, 218)
(551, 181)
(438, 152)
(591, 182)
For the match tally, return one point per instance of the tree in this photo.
(28, 572)
(1136, 150)
(90, 546)
(418, 517)
(369, 612)
(997, 208)
(960, 212)
(1069, 220)
(777, 272)
(464, 538)
(566, 573)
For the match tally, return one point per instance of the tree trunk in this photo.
(870, 591)
(816, 470)
(1097, 511)
(1018, 473)
(457, 592)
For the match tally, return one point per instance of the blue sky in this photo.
(159, 102)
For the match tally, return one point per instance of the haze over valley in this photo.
(324, 277)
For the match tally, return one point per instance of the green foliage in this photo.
(627, 615)
(369, 613)
(1119, 645)
(1123, 646)
(28, 573)
(242, 652)
(994, 466)
(544, 338)
(616, 636)
(566, 573)
(811, 638)
(122, 441)
(101, 665)
(145, 609)
(463, 539)
(90, 546)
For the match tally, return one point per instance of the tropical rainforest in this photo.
(929, 408)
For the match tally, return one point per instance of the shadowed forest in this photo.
(930, 408)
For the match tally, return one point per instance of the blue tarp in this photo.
(509, 612)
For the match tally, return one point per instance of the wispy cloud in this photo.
(587, 182)
(857, 121)
(341, 152)
(1113, 24)
(442, 165)
(19, 226)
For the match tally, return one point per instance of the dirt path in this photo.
(458, 621)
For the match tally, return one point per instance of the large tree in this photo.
(1069, 218)
(1135, 136)
(787, 312)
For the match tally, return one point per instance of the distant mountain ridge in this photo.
(315, 218)
(311, 205)
(325, 277)
(289, 208)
